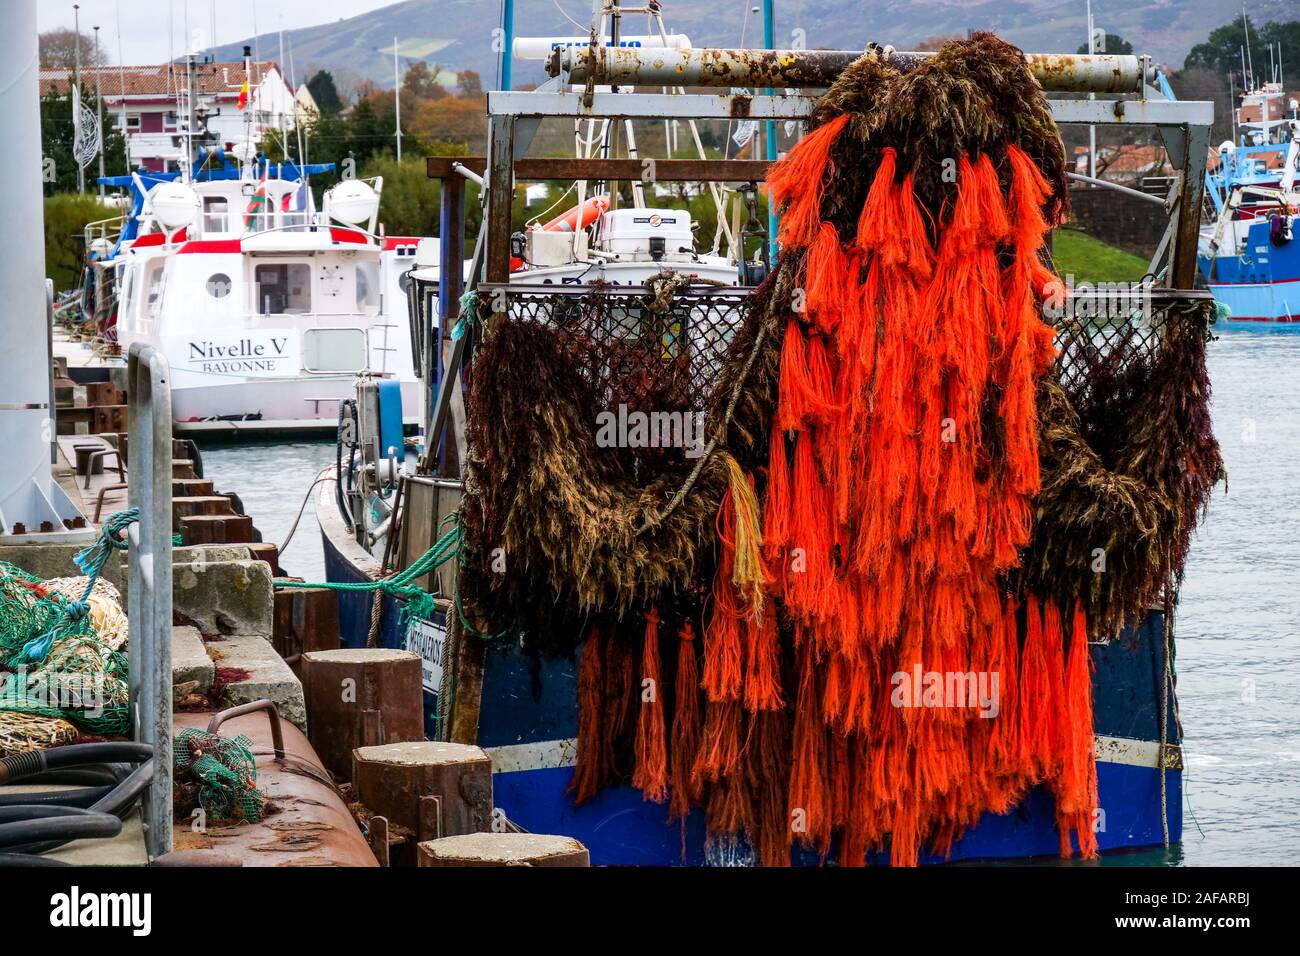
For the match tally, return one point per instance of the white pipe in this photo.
(26, 419)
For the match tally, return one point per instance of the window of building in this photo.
(282, 288)
(334, 350)
(132, 121)
(155, 285)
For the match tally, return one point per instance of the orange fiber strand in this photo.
(591, 771)
(685, 745)
(795, 184)
(651, 775)
(762, 663)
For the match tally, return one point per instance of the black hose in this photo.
(79, 797)
(32, 811)
(117, 803)
(24, 765)
(24, 859)
(92, 826)
(105, 775)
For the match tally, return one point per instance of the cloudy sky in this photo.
(145, 23)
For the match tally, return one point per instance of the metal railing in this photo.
(150, 580)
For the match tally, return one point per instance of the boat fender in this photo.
(1279, 230)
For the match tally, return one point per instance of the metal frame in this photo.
(515, 116)
(149, 561)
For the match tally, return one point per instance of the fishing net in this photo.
(61, 641)
(629, 391)
(916, 440)
(21, 732)
(223, 772)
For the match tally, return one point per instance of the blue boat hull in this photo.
(1263, 285)
(529, 718)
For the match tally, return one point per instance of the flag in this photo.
(243, 96)
(258, 203)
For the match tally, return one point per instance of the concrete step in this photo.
(249, 669)
(216, 529)
(190, 660)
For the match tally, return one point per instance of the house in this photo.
(150, 104)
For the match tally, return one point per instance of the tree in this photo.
(421, 83)
(325, 93)
(59, 50)
(1111, 44)
(66, 216)
(58, 165)
(470, 83)
(1221, 53)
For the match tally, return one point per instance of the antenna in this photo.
(1245, 26)
(397, 102)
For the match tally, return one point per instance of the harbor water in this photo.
(1238, 621)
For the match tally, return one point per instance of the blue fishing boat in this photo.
(528, 724)
(522, 706)
(1247, 256)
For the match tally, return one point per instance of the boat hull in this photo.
(1262, 284)
(528, 722)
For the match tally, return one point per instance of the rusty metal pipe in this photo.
(252, 707)
(1057, 72)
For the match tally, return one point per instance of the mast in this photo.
(397, 102)
(76, 81)
(99, 115)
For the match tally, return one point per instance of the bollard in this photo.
(432, 789)
(358, 697)
(504, 849)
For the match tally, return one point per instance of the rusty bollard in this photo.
(504, 849)
(360, 697)
(430, 788)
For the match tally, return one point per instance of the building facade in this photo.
(151, 105)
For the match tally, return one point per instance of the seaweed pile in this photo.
(880, 574)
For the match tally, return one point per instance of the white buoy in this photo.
(29, 496)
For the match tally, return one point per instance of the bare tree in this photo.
(58, 50)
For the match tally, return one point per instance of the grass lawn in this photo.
(1091, 260)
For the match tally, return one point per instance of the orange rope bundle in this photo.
(907, 390)
(869, 674)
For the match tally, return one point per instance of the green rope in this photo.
(418, 603)
(468, 314)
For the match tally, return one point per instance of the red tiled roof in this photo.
(211, 79)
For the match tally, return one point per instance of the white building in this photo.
(151, 103)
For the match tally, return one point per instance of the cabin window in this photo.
(334, 350)
(218, 285)
(367, 286)
(283, 288)
(154, 302)
(215, 214)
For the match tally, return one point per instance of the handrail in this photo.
(149, 598)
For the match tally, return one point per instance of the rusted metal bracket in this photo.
(377, 837)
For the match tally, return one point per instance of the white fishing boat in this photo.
(266, 307)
